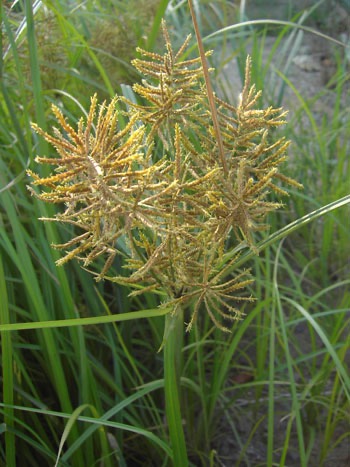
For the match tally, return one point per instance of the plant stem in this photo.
(172, 372)
(210, 92)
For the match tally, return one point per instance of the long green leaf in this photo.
(61, 323)
(7, 372)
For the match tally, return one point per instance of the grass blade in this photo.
(156, 24)
(295, 401)
(343, 374)
(61, 323)
(72, 419)
(7, 373)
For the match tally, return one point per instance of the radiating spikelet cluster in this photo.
(156, 191)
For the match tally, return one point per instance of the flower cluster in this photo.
(157, 192)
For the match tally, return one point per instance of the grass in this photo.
(83, 384)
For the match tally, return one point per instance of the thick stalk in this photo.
(172, 373)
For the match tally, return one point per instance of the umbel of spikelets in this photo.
(158, 193)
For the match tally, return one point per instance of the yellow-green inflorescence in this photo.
(157, 191)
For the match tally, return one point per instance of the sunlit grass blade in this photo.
(62, 323)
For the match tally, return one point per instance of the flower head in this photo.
(156, 190)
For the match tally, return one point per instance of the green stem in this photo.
(172, 372)
(210, 93)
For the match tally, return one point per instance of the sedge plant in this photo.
(36, 290)
(183, 184)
